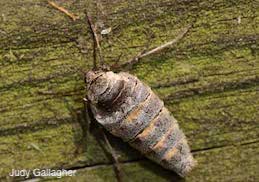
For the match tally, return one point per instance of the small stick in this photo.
(142, 54)
(63, 10)
(96, 40)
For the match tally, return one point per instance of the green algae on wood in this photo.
(209, 81)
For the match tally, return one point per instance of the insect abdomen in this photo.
(163, 142)
(139, 117)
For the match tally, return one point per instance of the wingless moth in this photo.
(129, 109)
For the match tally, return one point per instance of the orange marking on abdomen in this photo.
(149, 128)
(133, 115)
(169, 154)
(161, 144)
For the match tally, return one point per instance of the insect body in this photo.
(129, 109)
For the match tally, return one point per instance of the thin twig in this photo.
(96, 39)
(63, 10)
(143, 54)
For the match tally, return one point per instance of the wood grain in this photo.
(209, 81)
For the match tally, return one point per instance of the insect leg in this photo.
(116, 163)
(128, 64)
(87, 118)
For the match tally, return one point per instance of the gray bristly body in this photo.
(129, 109)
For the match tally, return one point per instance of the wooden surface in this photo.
(209, 81)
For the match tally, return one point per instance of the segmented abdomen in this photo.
(130, 110)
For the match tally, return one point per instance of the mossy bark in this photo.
(209, 81)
